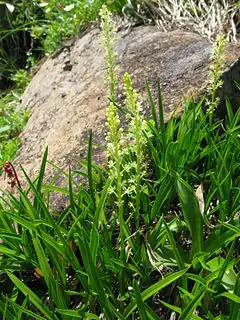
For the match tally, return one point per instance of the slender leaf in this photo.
(153, 289)
(187, 313)
(139, 302)
(152, 105)
(192, 215)
(37, 302)
(90, 178)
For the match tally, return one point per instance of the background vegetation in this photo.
(31, 29)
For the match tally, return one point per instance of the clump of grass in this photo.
(12, 121)
(111, 256)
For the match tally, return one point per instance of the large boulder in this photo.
(67, 96)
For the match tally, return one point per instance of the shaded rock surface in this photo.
(67, 96)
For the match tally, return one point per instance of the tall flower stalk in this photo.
(115, 133)
(115, 157)
(109, 41)
(215, 72)
(136, 144)
(125, 151)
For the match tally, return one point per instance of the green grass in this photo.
(12, 121)
(182, 259)
(31, 29)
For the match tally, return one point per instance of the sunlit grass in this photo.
(71, 265)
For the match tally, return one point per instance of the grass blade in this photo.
(38, 303)
(54, 293)
(90, 178)
(234, 307)
(42, 170)
(94, 243)
(77, 314)
(93, 274)
(161, 117)
(231, 296)
(153, 289)
(192, 215)
(174, 247)
(139, 302)
(152, 105)
(188, 311)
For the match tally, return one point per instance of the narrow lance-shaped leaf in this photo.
(161, 117)
(153, 289)
(90, 178)
(47, 274)
(152, 105)
(35, 300)
(139, 301)
(93, 274)
(191, 307)
(234, 307)
(192, 215)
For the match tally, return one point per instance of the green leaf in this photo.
(99, 215)
(94, 243)
(22, 310)
(192, 215)
(139, 302)
(90, 178)
(8, 235)
(77, 314)
(54, 292)
(191, 307)
(3, 310)
(224, 273)
(229, 110)
(161, 117)
(178, 310)
(218, 241)
(171, 307)
(151, 314)
(30, 209)
(196, 278)
(22, 221)
(12, 253)
(231, 227)
(128, 266)
(234, 307)
(25, 302)
(153, 289)
(37, 302)
(176, 252)
(42, 171)
(5, 129)
(230, 296)
(94, 277)
(164, 194)
(152, 105)
(70, 188)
